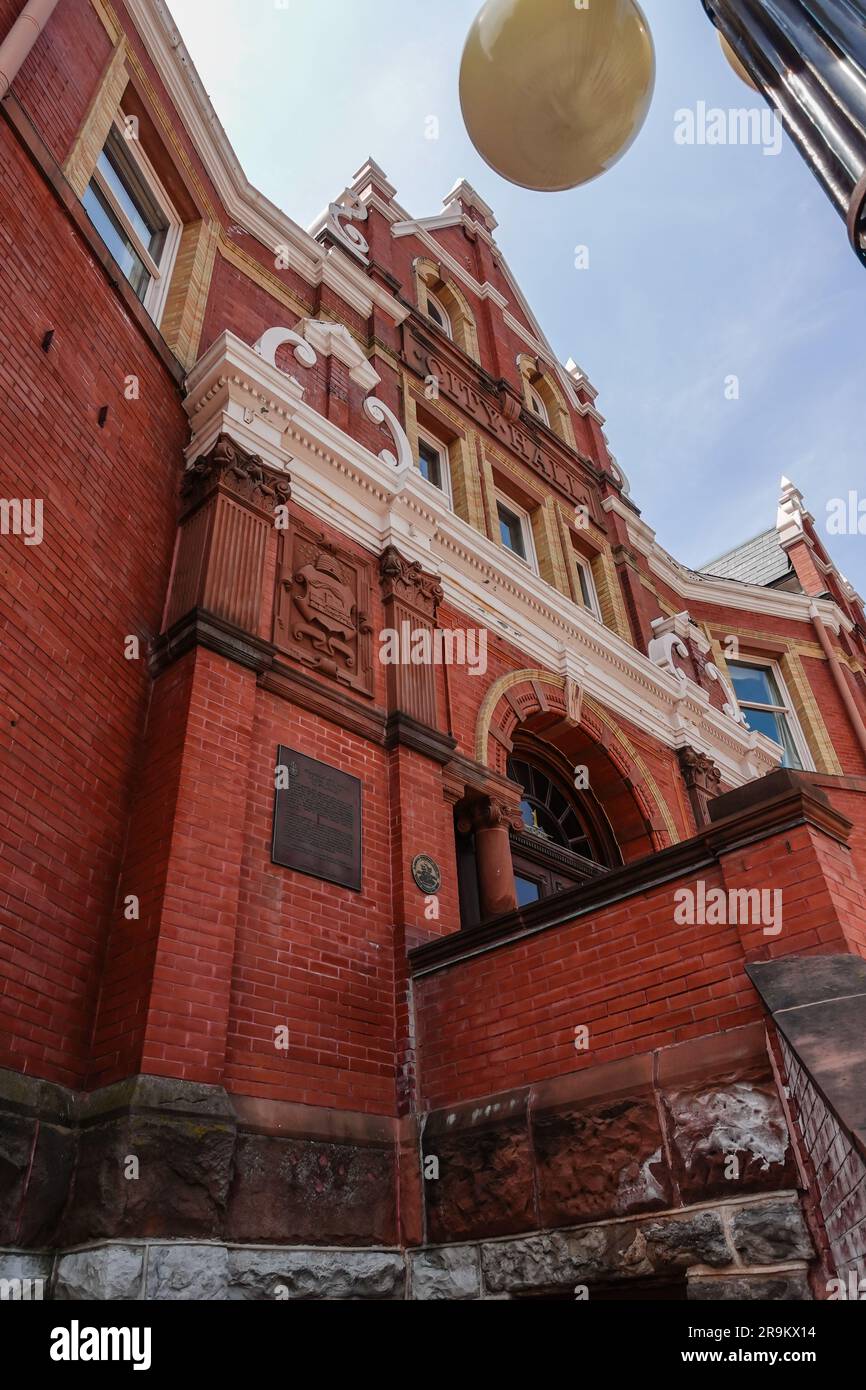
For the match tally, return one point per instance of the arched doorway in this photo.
(570, 797)
(565, 837)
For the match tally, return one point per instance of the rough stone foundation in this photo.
(755, 1249)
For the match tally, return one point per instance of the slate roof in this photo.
(758, 561)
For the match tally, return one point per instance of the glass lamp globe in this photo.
(735, 62)
(554, 92)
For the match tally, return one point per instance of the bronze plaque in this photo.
(317, 820)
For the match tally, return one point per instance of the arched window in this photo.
(544, 398)
(538, 406)
(547, 813)
(437, 312)
(446, 306)
(565, 837)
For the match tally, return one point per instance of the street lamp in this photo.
(554, 92)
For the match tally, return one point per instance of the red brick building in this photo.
(400, 892)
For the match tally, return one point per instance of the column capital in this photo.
(407, 581)
(231, 469)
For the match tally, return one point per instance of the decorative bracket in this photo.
(347, 233)
(274, 338)
(382, 414)
(661, 652)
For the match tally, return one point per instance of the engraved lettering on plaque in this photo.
(317, 820)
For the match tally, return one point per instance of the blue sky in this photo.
(705, 262)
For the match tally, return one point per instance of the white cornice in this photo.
(692, 587)
(343, 483)
(243, 203)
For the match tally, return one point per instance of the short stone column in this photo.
(490, 819)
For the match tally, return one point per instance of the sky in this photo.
(706, 262)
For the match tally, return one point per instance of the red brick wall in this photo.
(637, 979)
(62, 70)
(71, 707)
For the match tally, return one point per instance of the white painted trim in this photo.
(787, 709)
(334, 340)
(274, 338)
(525, 519)
(445, 325)
(382, 414)
(159, 271)
(243, 203)
(585, 567)
(691, 586)
(444, 461)
(338, 480)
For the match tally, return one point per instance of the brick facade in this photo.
(298, 1049)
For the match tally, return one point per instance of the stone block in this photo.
(771, 1232)
(790, 1286)
(342, 1275)
(485, 1185)
(106, 1273)
(187, 1272)
(449, 1273)
(730, 1127)
(600, 1160)
(309, 1192)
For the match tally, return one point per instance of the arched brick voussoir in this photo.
(520, 696)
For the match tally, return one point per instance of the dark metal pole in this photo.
(808, 57)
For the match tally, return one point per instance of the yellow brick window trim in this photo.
(610, 598)
(465, 480)
(534, 378)
(96, 126)
(809, 714)
(428, 277)
(183, 315)
(805, 705)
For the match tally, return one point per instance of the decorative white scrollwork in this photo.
(274, 338)
(732, 705)
(347, 232)
(661, 653)
(381, 414)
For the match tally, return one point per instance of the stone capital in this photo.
(228, 468)
(406, 581)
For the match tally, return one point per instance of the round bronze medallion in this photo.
(426, 873)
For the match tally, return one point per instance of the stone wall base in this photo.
(754, 1249)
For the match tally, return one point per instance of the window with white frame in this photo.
(515, 530)
(588, 590)
(767, 708)
(438, 313)
(130, 209)
(433, 463)
(538, 406)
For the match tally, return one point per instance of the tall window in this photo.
(587, 586)
(538, 406)
(129, 208)
(515, 530)
(433, 463)
(437, 312)
(767, 708)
